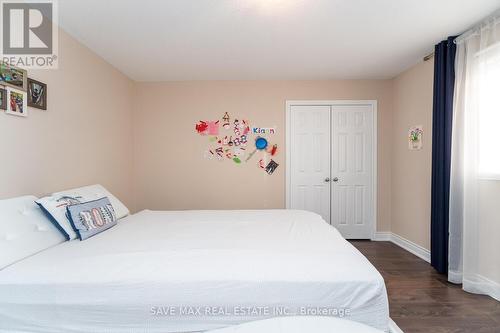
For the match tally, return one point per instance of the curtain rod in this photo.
(464, 35)
(493, 18)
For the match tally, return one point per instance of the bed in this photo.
(299, 324)
(190, 271)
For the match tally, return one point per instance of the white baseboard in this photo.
(411, 247)
(479, 284)
(404, 243)
(383, 236)
(393, 327)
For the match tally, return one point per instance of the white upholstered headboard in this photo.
(24, 230)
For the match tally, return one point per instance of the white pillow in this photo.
(56, 204)
(24, 230)
(97, 191)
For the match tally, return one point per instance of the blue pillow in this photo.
(90, 218)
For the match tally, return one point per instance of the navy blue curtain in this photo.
(442, 118)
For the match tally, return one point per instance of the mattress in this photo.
(189, 271)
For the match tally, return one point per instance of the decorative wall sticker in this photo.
(274, 150)
(246, 127)
(415, 137)
(261, 143)
(228, 139)
(239, 151)
(236, 128)
(209, 154)
(201, 127)
(243, 140)
(220, 153)
(213, 127)
(226, 120)
(264, 130)
(250, 155)
(205, 127)
(262, 163)
(271, 167)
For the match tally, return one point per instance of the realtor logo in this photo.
(29, 33)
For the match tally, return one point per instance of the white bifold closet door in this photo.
(331, 165)
(310, 143)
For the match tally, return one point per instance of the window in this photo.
(489, 113)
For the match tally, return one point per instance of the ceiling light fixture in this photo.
(267, 6)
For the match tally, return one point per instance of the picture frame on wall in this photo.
(415, 137)
(13, 76)
(3, 99)
(37, 94)
(17, 102)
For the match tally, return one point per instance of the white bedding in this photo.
(232, 266)
(302, 324)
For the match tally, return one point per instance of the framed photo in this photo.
(37, 94)
(13, 76)
(17, 102)
(3, 99)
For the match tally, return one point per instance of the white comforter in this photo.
(302, 324)
(193, 271)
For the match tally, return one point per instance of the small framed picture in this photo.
(37, 94)
(3, 99)
(17, 102)
(13, 76)
(415, 137)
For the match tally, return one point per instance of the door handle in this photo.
(327, 180)
(336, 179)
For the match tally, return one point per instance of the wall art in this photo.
(271, 167)
(16, 102)
(3, 99)
(229, 136)
(415, 137)
(264, 130)
(13, 76)
(226, 120)
(37, 94)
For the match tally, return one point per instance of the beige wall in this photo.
(84, 137)
(171, 173)
(138, 139)
(411, 170)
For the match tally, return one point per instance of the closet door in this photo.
(352, 170)
(310, 141)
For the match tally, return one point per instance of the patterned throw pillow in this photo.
(54, 206)
(90, 218)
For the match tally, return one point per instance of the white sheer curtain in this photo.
(474, 253)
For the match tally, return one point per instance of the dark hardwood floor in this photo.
(420, 300)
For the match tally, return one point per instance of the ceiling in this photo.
(167, 40)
